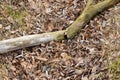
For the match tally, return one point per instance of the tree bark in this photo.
(89, 12)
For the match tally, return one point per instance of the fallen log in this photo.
(90, 11)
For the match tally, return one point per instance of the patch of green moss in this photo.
(14, 17)
(116, 18)
(3, 72)
(114, 69)
(16, 14)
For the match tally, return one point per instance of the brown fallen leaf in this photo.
(54, 60)
(77, 71)
(65, 56)
(84, 78)
(41, 59)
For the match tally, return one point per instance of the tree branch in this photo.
(89, 2)
(31, 40)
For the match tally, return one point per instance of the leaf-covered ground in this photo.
(93, 54)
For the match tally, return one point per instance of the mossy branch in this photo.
(89, 12)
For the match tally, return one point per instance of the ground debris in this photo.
(80, 58)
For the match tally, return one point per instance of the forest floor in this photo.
(93, 54)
